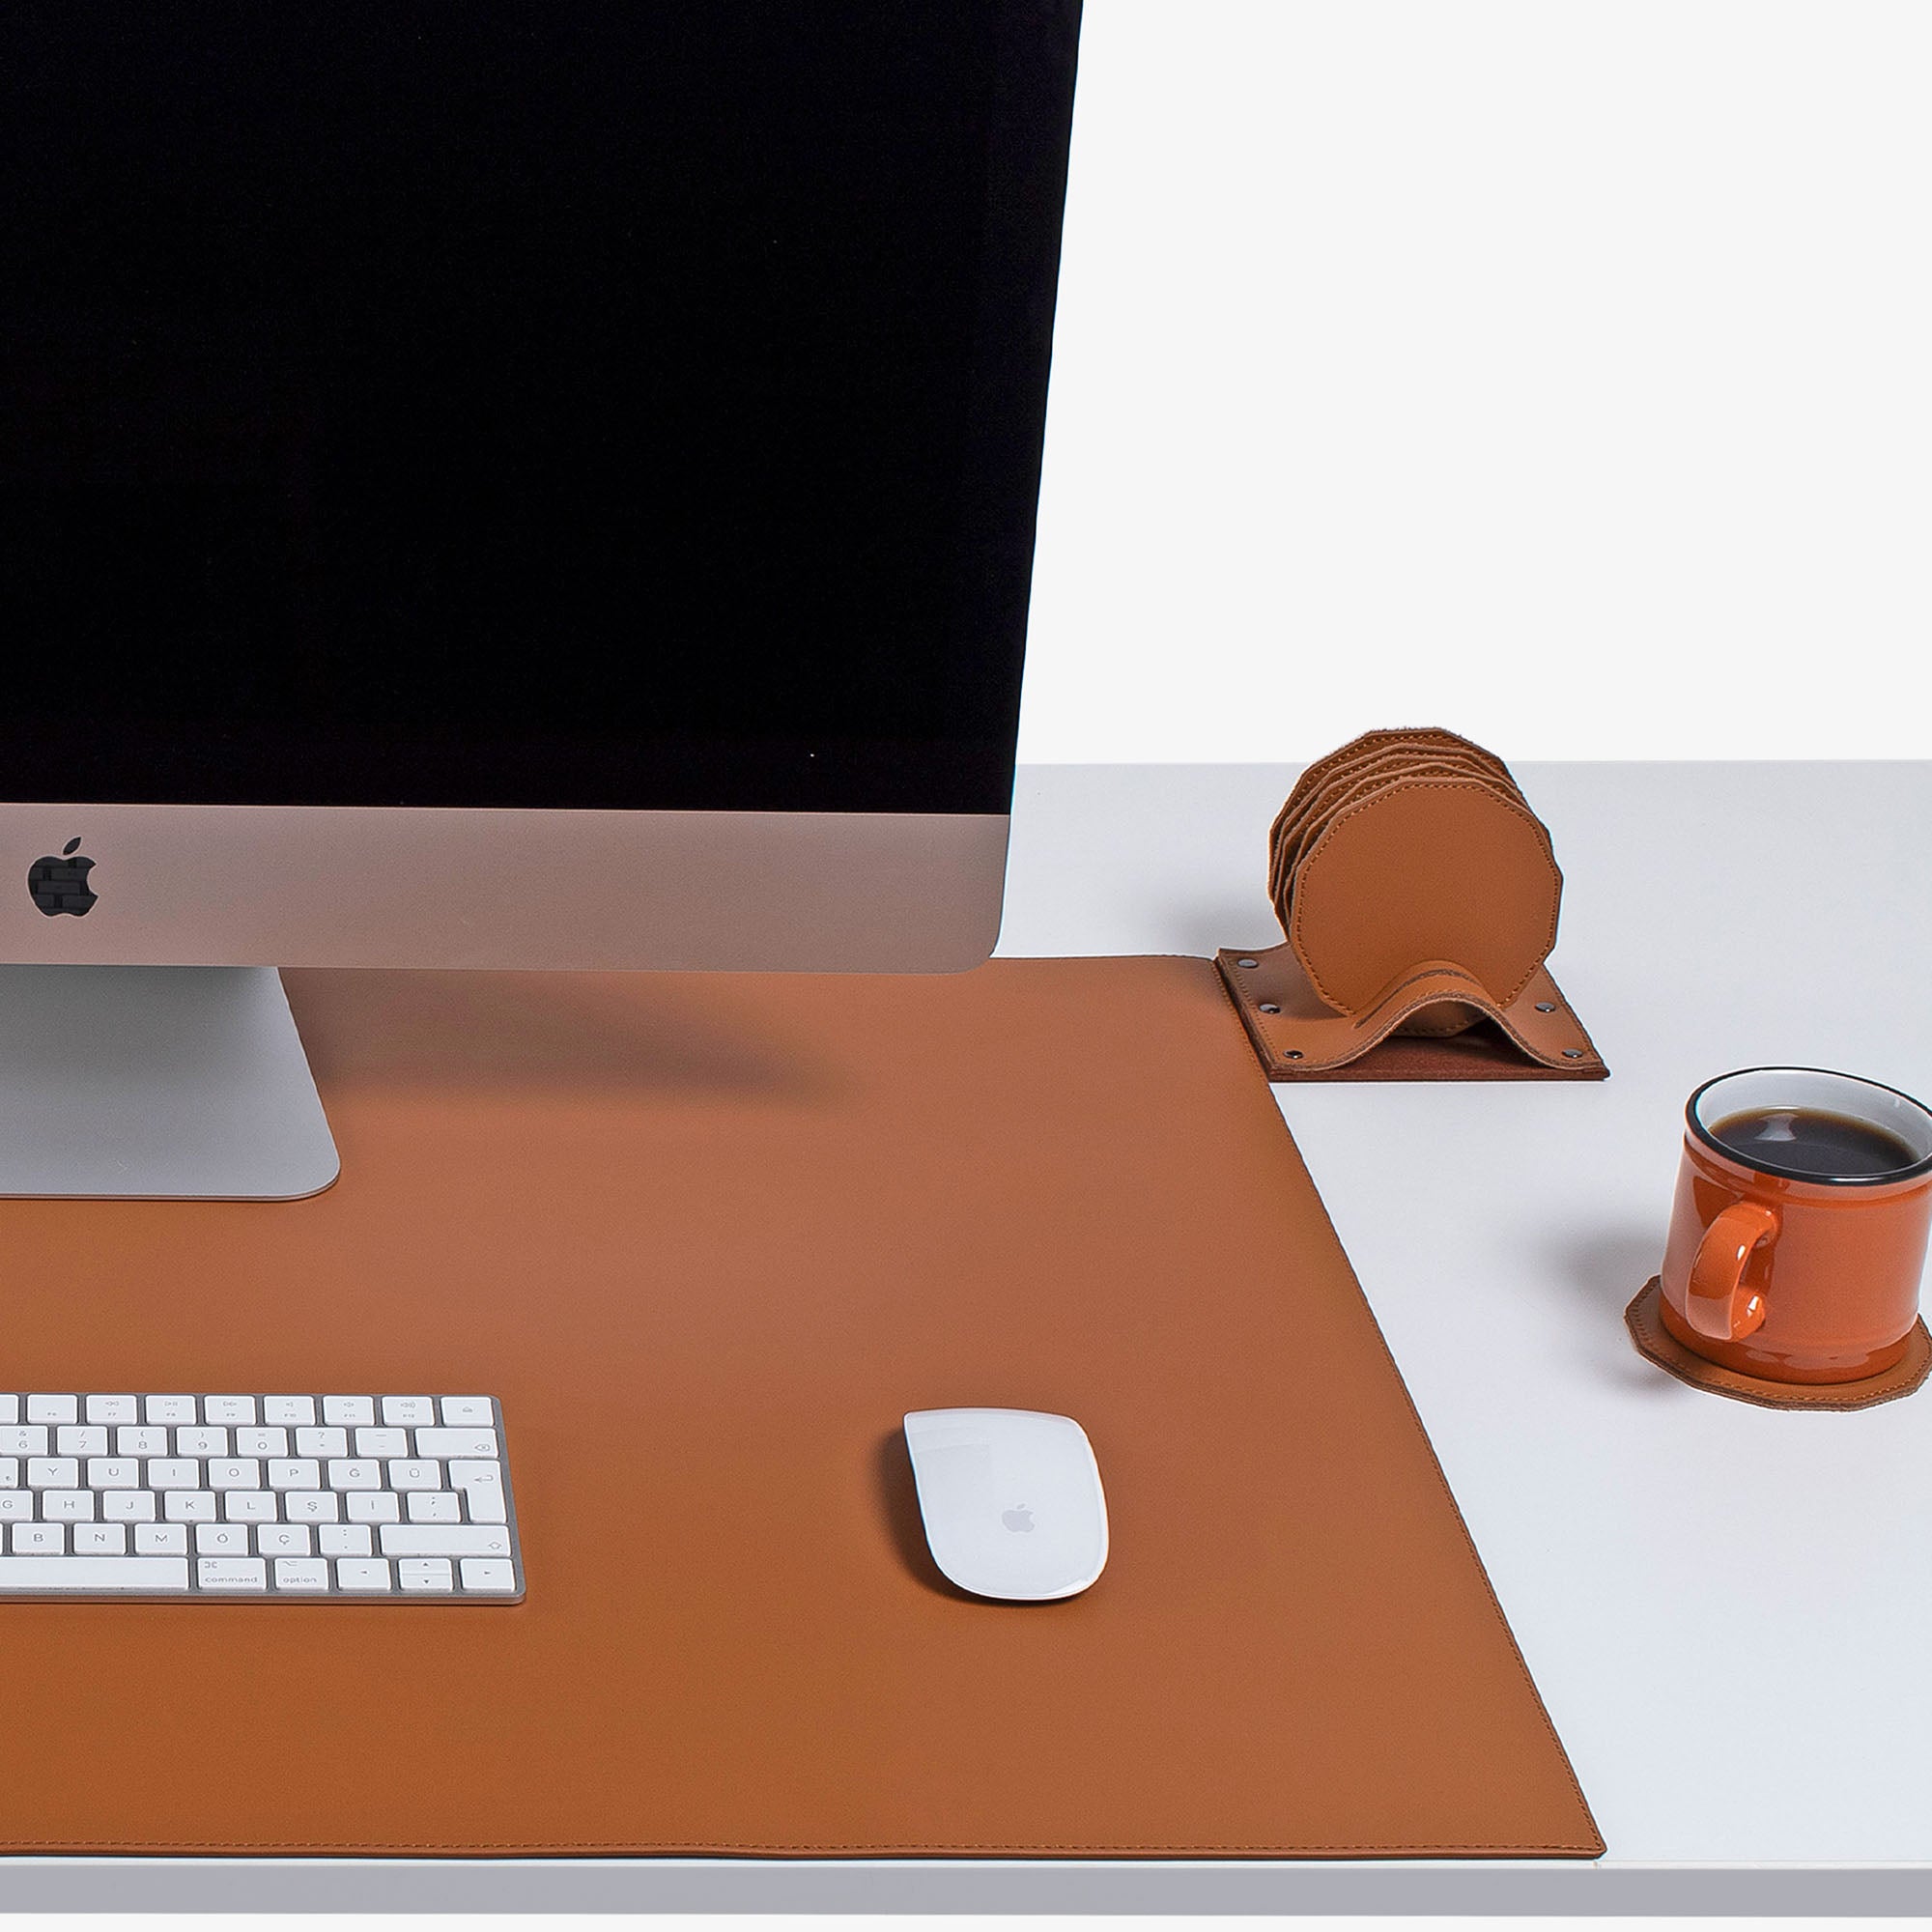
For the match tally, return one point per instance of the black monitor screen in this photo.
(589, 403)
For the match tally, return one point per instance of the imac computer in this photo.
(496, 483)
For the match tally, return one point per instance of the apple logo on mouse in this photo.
(58, 883)
(1017, 1519)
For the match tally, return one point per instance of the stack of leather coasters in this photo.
(1419, 895)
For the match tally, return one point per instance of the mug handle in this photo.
(1715, 1303)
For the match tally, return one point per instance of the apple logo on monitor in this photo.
(59, 884)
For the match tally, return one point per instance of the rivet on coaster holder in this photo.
(1419, 894)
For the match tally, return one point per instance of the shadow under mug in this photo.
(1785, 1274)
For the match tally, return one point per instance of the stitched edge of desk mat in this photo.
(1294, 1651)
(1660, 1347)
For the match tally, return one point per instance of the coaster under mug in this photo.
(1904, 1377)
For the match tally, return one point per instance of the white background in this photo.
(1561, 373)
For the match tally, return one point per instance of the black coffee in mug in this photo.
(1805, 1140)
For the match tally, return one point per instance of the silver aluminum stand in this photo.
(157, 1082)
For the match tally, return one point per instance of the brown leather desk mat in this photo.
(707, 1239)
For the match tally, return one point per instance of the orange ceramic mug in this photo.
(1799, 1234)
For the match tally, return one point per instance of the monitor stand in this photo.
(141, 1083)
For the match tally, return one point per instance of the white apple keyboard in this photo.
(325, 1498)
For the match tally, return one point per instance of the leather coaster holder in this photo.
(1655, 1342)
(1419, 895)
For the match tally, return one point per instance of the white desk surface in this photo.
(1724, 1607)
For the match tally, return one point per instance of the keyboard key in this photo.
(440, 1539)
(301, 1573)
(352, 1573)
(10, 1409)
(37, 1539)
(229, 1410)
(374, 1506)
(234, 1472)
(261, 1442)
(415, 1475)
(142, 1441)
(100, 1539)
(169, 1473)
(27, 1439)
(231, 1573)
(188, 1505)
(291, 1412)
(201, 1441)
(43, 1575)
(352, 1475)
(485, 1505)
(52, 1472)
(345, 1539)
(53, 1408)
(434, 1506)
(161, 1538)
(458, 1409)
(312, 1505)
(432, 1574)
(322, 1443)
(128, 1505)
(113, 1472)
(17, 1505)
(168, 1408)
(81, 1438)
(284, 1539)
(67, 1506)
(407, 1411)
(248, 1505)
(482, 1483)
(346, 1411)
(221, 1539)
(382, 1443)
(110, 1408)
(9, 1473)
(458, 1442)
(488, 1572)
(294, 1472)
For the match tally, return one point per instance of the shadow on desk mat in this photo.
(707, 1238)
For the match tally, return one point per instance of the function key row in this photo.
(213, 1439)
(288, 1411)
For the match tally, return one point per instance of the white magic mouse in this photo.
(1011, 1500)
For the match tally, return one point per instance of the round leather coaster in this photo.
(1654, 1340)
(1424, 869)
